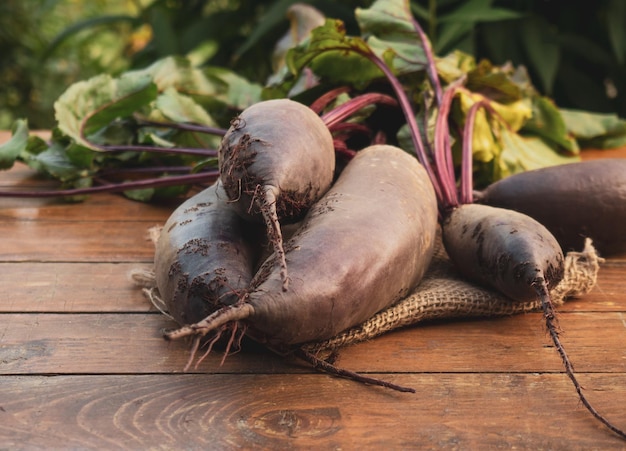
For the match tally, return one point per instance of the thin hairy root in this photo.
(192, 353)
(236, 335)
(329, 368)
(214, 340)
(554, 330)
(212, 322)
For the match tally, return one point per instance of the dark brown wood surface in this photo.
(83, 364)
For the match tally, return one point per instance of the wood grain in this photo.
(88, 343)
(71, 287)
(77, 286)
(257, 411)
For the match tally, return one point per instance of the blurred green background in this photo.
(575, 51)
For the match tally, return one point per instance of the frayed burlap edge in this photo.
(443, 295)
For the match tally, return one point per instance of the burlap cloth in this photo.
(442, 294)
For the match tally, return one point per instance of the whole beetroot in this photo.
(276, 159)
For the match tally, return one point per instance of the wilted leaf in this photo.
(454, 65)
(514, 114)
(526, 153)
(494, 82)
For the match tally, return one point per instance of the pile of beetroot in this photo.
(364, 233)
(365, 224)
(302, 237)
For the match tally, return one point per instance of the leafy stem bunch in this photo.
(153, 132)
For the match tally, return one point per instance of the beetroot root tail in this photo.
(227, 314)
(329, 368)
(553, 329)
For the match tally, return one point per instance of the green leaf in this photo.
(34, 146)
(82, 182)
(390, 31)
(595, 130)
(87, 106)
(114, 133)
(233, 90)
(149, 194)
(588, 125)
(180, 108)
(140, 195)
(454, 65)
(494, 82)
(79, 156)
(56, 162)
(11, 150)
(606, 142)
(130, 94)
(177, 72)
(526, 153)
(333, 55)
(548, 123)
(177, 107)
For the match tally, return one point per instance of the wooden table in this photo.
(83, 364)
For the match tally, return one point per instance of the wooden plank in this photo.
(108, 343)
(87, 367)
(20, 175)
(88, 241)
(106, 287)
(111, 207)
(71, 287)
(132, 343)
(450, 411)
(609, 292)
(98, 207)
(594, 154)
